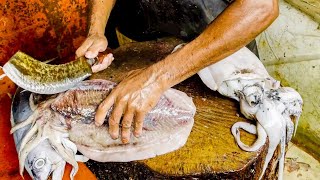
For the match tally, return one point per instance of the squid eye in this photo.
(39, 163)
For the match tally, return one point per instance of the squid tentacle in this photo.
(28, 121)
(58, 172)
(296, 121)
(66, 154)
(32, 105)
(272, 121)
(252, 129)
(30, 134)
(289, 129)
(272, 147)
(23, 153)
(72, 146)
(282, 153)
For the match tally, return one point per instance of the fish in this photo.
(66, 122)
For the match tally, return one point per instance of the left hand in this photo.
(132, 99)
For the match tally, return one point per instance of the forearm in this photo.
(239, 24)
(100, 13)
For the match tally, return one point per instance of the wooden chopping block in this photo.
(210, 152)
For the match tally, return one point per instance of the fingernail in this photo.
(113, 135)
(137, 134)
(110, 55)
(125, 140)
(98, 123)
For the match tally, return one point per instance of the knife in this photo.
(42, 78)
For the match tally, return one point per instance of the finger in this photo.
(126, 125)
(84, 47)
(107, 59)
(139, 119)
(104, 64)
(114, 120)
(103, 109)
(95, 48)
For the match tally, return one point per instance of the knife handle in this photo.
(100, 57)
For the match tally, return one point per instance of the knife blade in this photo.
(42, 78)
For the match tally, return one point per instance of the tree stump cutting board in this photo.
(210, 152)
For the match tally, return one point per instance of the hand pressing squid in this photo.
(132, 99)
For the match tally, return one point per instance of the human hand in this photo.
(91, 47)
(131, 99)
(102, 62)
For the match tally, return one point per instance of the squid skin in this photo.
(242, 77)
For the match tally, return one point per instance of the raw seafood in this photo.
(243, 77)
(66, 121)
(43, 160)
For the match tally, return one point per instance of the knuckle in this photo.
(149, 105)
(139, 122)
(122, 100)
(126, 125)
(140, 111)
(113, 122)
(103, 47)
(103, 105)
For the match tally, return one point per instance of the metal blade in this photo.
(42, 78)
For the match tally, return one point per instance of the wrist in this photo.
(162, 76)
(173, 69)
(97, 28)
(95, 32)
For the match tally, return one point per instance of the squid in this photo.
(274, 110)
(51, 129)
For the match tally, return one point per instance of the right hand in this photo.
(91, 47)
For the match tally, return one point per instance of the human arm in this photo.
(96, 41)
(136, 95)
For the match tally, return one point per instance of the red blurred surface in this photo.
(44, 29)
